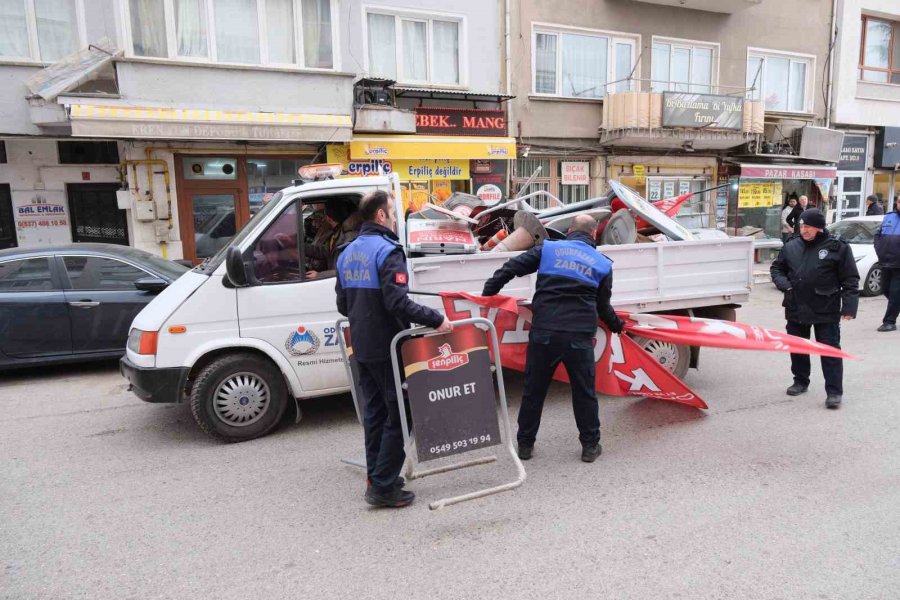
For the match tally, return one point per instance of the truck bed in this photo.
(647, 277)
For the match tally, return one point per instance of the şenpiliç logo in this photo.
(302, 342)
(447, 360)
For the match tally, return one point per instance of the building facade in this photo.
(672, 97)
(171, 122)
(866, 103)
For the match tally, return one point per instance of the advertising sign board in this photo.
(451, 393)
(460, 121)
(702, 110)
(853, 153)
(576, 173)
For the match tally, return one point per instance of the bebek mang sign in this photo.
(623, 367)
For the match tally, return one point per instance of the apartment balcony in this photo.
(687, 121)
(719, 6)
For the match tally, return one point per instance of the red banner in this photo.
(714, 333)
(623, 367)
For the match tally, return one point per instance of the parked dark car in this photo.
(74, 303)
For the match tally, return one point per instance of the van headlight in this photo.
(143, 342)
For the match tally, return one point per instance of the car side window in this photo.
(99, 273)
(276, 257)
(27, 275)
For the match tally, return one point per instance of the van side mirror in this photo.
(154, 285)
(234, 267)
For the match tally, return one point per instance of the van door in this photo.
(285, 308)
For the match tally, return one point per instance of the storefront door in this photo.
(214, 216)
(8, 238)
(96, 217)
(850, 194)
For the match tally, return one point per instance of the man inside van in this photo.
(372, 291)
(339, 227)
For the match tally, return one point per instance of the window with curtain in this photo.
(781, 81)
(54, 27)
(190, 28)
(579, 65)
(237, 31)
(880, 51)
(251, 32)
(678, 66)
(317, 38)
(414, 49)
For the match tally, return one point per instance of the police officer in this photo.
(574, 286)
(372, 291)
(820, 282)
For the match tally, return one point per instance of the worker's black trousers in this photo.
(546, 349)
(832, 368)
(381, 420)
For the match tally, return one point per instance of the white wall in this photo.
(861, 102)
(34, 174)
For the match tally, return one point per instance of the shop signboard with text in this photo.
(705, 111)
(435, 120)
(854, 153)
(575, 173)
(407, 170)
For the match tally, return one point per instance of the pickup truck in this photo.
(240, 339)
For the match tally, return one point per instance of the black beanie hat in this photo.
(813, 217)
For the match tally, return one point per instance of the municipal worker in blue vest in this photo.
(372, 292)
(574, 286)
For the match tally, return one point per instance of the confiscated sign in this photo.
(451, 393)
(576, 173)
(702, 110)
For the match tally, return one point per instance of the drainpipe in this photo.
(508, 58)
(832, 51)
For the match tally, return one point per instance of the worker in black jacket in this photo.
(372, 291)
(820, 282)
(574, 286)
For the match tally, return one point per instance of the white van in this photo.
(246, 332)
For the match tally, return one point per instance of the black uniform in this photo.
(574, 286)
(820, 284)
(372, 291)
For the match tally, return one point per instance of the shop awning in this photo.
(755, 171)
(206, 124)
(432, 147)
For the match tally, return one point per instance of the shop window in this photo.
(580, 65)
(549, 179)
(40, 30)
(267, 32)
(209, 168)
(782, 81)
(880, 50)
(681, 66)
(265, 176)
(88, 153)
(414, 48)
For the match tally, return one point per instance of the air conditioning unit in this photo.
(368, 91)
(818, 143)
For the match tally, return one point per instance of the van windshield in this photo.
(211, 264)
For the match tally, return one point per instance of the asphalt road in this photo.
(761, 496)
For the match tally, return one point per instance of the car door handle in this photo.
(84, 304)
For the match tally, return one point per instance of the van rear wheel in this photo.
(675, 357)
(238, 397)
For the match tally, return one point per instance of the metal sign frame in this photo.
(339, 327)
(411, 472)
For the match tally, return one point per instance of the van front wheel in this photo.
(238, 397)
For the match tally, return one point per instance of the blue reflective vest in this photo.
(575, 260)
(360, 263)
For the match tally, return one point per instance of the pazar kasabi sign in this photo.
(702, 110)
(623, 367)
(460, 121)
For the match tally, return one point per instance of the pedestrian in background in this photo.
(794, 218)
(820, 282)
(372, 291)
(873, 206)
(574, 287)
(787, 228)
(887, 247)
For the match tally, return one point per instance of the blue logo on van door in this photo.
(302, 342)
